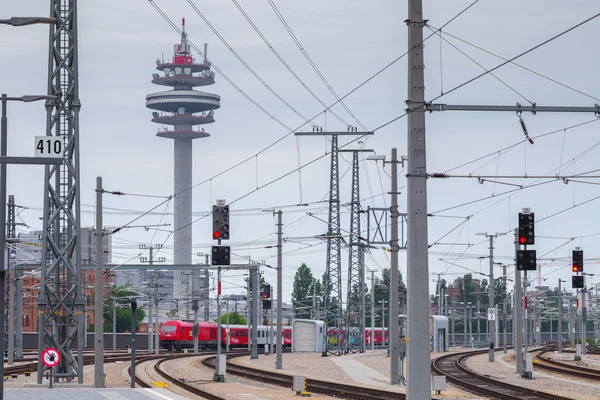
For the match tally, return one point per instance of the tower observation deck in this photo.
(185, 109)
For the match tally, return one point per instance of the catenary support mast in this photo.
(332, 283)
(419, 368)
(356, 275)
(61, 305)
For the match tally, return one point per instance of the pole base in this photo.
(219, 378)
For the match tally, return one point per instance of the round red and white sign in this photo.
(50, 357)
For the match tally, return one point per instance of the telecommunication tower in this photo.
(183, 108)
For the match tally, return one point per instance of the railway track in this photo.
(87, 360)
(174, 381)
(313, 385)
(454, 368)
(564, 368)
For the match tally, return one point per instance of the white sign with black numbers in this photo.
(491, 314)
(49, 146)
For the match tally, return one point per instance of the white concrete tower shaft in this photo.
(183, 216)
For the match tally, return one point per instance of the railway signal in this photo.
(220, 225)
(526, 260)
(577, 282)
(577, 260)
(221, 255)
(266, 294)
(526, 228)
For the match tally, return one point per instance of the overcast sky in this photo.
(349, 41)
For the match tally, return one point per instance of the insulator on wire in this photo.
(523, 126)
(438, 175)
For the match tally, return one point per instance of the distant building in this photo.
(29, 247)
(31, 288)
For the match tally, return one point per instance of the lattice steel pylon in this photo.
(10, 236)
(332, 284)
(355, 294)
(60, 299)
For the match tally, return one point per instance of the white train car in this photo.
(307, 336)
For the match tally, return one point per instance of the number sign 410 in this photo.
(49, 146)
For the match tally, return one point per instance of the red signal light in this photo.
(575, 268)
(216, 234)
(265, 296)
(523, 240)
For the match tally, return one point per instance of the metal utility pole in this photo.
(249, 306)
(518, 313)
(478, 321)
(227, 324)
(153, 298)
(99, 294)
(394, 339)
(10, 322)
(504, 312)
(195, 298)
(61, 299)
(279, 343)
(157, 323)
(419, 362)
(150, 314)
(560, 345)
(333, 269)
(583, 322)
(206, 291)
(465, 327)
(372, 309)
(525, 314)
(571, 323)
(356, 275)
(114, 321)
(453, 325)
(216, 375)
(255, 316)
(133, 331)
(492, 307)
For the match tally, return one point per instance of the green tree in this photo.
(120, 296)
(123, 320)
(441, 284)
(234, 319)
(466, 287)
(302, 293)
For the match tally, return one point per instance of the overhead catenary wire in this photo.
(285, 64)
(518, 65)
(492, 69)
(312, 63)
(246, 65)
(478, 64)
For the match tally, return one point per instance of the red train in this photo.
(178, 335)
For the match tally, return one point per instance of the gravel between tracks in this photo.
(312, 365)
(235, 388)
(564, 385)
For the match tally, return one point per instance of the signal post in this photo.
(221, 255)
